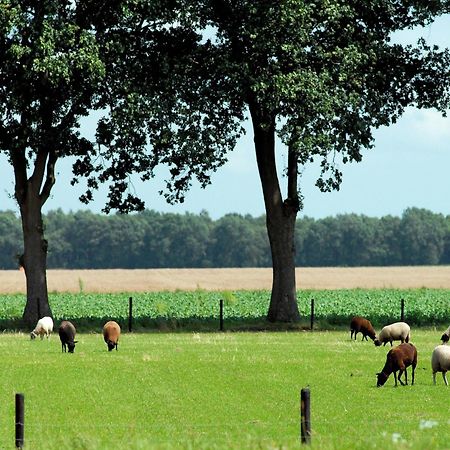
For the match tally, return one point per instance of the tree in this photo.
(49, 77)
(422, 236)
(321, 75)
(9, 240)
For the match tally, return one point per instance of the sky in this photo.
(409, 166)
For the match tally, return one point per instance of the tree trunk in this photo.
(280, 220)
(35, 259)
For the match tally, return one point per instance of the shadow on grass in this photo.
(166, 324)
(205, 325)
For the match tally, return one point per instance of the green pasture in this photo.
(218, 391)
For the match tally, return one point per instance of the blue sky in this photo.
(408, 167)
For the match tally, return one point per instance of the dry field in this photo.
(141, 280)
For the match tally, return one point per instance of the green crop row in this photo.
(422, 306)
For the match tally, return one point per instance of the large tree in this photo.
(321, 75)
(49, 75)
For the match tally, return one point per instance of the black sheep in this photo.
(67, 333)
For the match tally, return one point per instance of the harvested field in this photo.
(144, 280)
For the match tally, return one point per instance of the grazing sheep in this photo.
(43, 327)
(398, 358)
(398, 331)
(360, 324)
(111, 334)
(446, 336)
(440, 361)
(67, 333)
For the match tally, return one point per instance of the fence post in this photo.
(221, 314)
(20, 420)
(130, 314)
(402, 314)
(312, 314)
(305, 409)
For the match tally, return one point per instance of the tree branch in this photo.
(50, 178)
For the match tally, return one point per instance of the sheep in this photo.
(440, 361)
(360, 324)
(43, 327)
(398, 358)
(67, 333)
(111, 334)
(446, 336)
(398, 331)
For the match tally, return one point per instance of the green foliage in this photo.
(84, 240)
(241, 308)
(217, 391)
(323, 75)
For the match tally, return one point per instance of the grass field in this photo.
(218, 391)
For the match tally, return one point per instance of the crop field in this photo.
(218, 391)
(156, 280)
(200, 309)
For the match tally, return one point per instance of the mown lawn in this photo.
(218, 391)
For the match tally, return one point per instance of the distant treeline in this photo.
(84, 240)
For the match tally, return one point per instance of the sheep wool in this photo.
(398, 359)
(111, 334)
(67, 333)
(44, 327)
(398, 331)
(362, 325)
(440, 362)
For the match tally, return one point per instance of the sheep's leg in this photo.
(399, 376)
(351, 334)
(395, 378)
(434, 378)
(445, 378)
(413, 371)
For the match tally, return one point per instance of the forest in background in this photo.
(85, 240)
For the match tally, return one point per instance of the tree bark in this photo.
(31, 194)
(280, 218)
(35, 260)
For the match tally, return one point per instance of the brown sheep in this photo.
(111, 334)
(67, 333)
(362, 325)
(398, 359)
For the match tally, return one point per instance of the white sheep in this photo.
(43, 327)
(446, 336)
(398, 331)
(440, 361)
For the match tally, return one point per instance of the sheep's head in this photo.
(71, 346)
(111, 345)
(445, 338)
(377, 342)
(381, 379)
(33, 335)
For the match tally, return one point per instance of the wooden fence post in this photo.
(20, 420)
(221, 314)
(312, 314)
(305, 409)
(130, 314)
(402, 313)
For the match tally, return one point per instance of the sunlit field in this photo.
(150, 280)
(218, 390)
